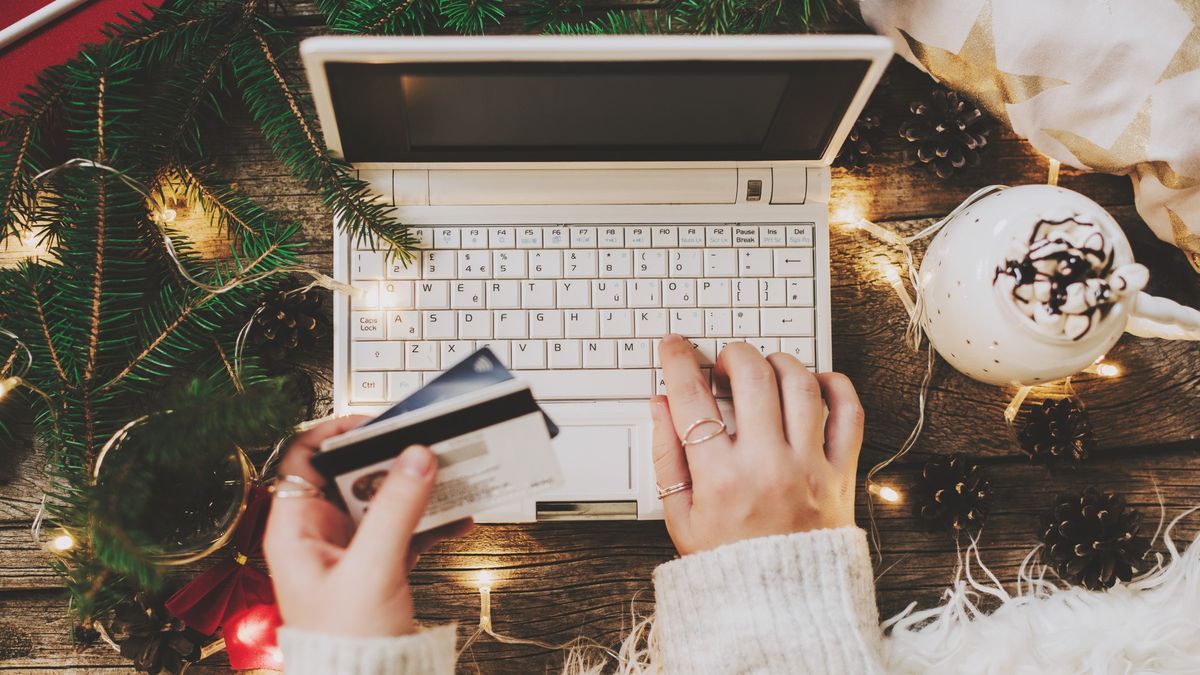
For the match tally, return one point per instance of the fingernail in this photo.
(416, 461)
(671, 337)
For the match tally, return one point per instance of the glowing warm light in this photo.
(167, 215)
(485, 578)
(1107, 370)
(63, 542)
(885, 492)
(29, 239)
(891, 274)
(8, 384)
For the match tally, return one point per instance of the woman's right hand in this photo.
(788, 469)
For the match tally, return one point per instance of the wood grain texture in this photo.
(559, 581)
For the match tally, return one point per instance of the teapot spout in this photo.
(1156, 317)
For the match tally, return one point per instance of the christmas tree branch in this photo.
(45, 327)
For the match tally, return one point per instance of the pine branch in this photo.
(21, 135)
(539, 14)
(751, 16)
(615, 23)
(470, 16)
(391, 17)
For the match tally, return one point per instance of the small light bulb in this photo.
(29, 239)
(1107, 370)
(891, 274)
(885, 492)
(8, 384)
(485, 578)
(63, 542)
(167, 215)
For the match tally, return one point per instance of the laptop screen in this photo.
(591, 111)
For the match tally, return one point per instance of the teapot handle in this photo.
(1162, 318)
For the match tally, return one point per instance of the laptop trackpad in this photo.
(596, 462)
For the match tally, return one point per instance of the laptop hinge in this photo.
(587, 511)
(470, 187)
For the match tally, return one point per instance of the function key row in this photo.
(610, 236)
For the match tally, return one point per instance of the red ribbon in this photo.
(231, 585)
(250, 639)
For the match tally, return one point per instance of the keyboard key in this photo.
(366, 326)
(633, 353)
(397, 294)
(616, 323)
(786, 322)
(612, 237)
(510, 325)
(446, 237)
(546, 324)
(660, 382)
(637, 236)
(767, 346)
(574, 294)
(439, 325)
(771, 293)
(745, 292)
(800, 293)
(562, 354)
(718, 235)
(801, 348)
(455, 351)
(718, 322)
(665, 236)
(589, 384)
(474, 237)
(793, 262)
(501, 237)
(368, 387)
(400, 385)
(433, 294)
(474, 264)
(366, 265)
(556, 237)
(367, 296)
(529, 237)
(685, 263)
(687, 322)
(528, 355)
(599, 354)
(475, 325)
(706, 351)
(745, 235)
(545, 265)
(421, 355)
(745, 323)
(650, 323)
(800, 235)
(616, 263)
(500, 348)
(720, 262)
(581, 323)
(691, 236)
(422, 237)
(399, 269)
(645, 293)
(754, 262)
(537, 294)
(376, 356)
(468, 295)
(503, 294)
(437, 264)
(509, 264)
(580, 264)
(651, 263)
(608, 293)
(404, 325)
(714, 293)
(772, 235)
(583, 237)
(679, 293)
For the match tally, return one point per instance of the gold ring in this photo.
(299, 488)
(687, 440)
(672, 489)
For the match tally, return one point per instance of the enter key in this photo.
(786, 321)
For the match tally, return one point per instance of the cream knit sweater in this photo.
(798, 603)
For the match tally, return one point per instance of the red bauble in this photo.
(250, 638)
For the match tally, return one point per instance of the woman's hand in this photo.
(330, 579)
(788, 469)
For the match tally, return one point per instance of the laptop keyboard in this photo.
(577, 310)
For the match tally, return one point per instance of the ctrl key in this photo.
(368, 387)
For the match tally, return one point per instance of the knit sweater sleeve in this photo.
(429, 652)
(798, 603)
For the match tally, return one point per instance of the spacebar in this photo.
(588, 384)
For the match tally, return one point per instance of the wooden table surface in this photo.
(559, 581)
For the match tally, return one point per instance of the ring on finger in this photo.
(687, 435)
(291, 486)
(672, 489)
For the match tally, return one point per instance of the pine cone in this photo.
(862, 142)
(1091, 539)
(288, 322)
(1057, 432)
(952, 493)
(946, 132)
(155, 641)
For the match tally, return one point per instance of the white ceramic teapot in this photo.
(1034, 283)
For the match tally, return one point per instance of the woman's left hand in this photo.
(330, 579)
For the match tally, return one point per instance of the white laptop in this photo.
(575, 198)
